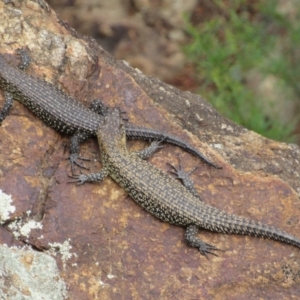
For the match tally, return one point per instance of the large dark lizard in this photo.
(65, 114)
(162, 195)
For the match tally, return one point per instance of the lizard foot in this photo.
(79, 179)
(194, 241)
(73, 159)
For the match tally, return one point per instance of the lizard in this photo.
(65, 114)
(163, 195)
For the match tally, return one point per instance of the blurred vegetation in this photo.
(235, 40)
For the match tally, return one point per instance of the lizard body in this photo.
(163, 196)
(63, 113)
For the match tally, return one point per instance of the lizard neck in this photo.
(111, 135)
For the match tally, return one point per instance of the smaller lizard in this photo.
(65, 114)
(162, 195)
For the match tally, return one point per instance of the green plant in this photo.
(227, 47)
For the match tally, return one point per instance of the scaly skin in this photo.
(65, 114)
(163, 196)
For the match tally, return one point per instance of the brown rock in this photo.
(107, 247)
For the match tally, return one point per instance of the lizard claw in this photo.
(73, 159)
(157, 143)
(206, 249)
(179, 172)
(78, 179)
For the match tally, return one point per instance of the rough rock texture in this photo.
(29, 275)
(106, 246)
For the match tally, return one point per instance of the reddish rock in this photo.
(106, 246)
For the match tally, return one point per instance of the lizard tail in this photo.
(227, 223)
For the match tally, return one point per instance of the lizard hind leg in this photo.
(192, 230)
(148, 151)
(185, 178)
(192, 239)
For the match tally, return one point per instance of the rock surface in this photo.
(106, 246)
(29, 275)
